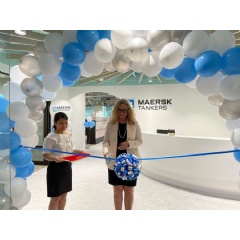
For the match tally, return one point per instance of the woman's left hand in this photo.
(123, 145)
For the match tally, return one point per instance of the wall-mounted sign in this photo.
(61, 105)
(154, 104)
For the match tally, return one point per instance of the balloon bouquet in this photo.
(208, 62)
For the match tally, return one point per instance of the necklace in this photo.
(123, 134)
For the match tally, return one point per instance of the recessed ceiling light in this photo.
(20, 32)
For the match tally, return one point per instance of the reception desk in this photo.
(214, 175)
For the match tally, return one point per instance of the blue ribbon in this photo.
(153, 158)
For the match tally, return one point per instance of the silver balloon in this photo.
(30, 66)
(36, 103)
(36, 116)
(121, 62)
(178, 35)
(5, 201)
(230, 110)
(39, 49)
(215, 99)
(31, 86)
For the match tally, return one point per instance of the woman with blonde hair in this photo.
(123, 135)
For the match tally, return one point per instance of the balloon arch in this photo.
(209, 63)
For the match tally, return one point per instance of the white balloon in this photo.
(84, 73)
(140, 33)
(157, 39)
(172, 55)
(16, 75)
(209, 85)
(120, 38)
(229, 87)
(4, 153)
(231, 125)
(48, 96)
(104, 50)
(53, 44)
(50, 64)
(92, 65)
(17, 111)
(52, 83)
(195, 43)
(136, 67)
(150, 64)
(7, 172)
(61, 105)
(136, 49)
(109, 67)
(30, 141)
(12, 92)
(221, 41)
(89, 118)
(29, 65)
(16, 187)
(235, 138)
(22, 200)
(26, 127)
(39, 49)
(69, 36)
(121, 62)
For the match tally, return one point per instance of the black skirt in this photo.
(114, 180)
(59, 178)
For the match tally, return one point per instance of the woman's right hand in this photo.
(57, 159)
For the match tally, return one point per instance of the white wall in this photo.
(190, 113)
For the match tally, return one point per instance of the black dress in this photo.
(113, 179)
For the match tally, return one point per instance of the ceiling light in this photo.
(20, 32)
(149, 79)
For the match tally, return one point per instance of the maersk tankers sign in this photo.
(154, 104)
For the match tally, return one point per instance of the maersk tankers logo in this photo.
(131, 101)
(154, 104)
(62, 108)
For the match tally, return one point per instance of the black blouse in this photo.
(122, 136)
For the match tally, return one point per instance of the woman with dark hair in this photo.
(123, 135)
(59, 171)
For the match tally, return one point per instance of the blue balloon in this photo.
(237, 154)
(10, 140)
(208, 63)
(21, 157)
(67, 83)
(88, 38)
(230, 63)
(3, 103)
(86, 124)
(25, 171)
(186, 71)
(6, 124)
(104, 34)
(70, 72)
(167, 73)
(73, 53)
(92, 124)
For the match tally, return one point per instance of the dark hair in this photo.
(59, 115)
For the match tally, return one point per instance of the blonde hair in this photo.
(130, 114)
